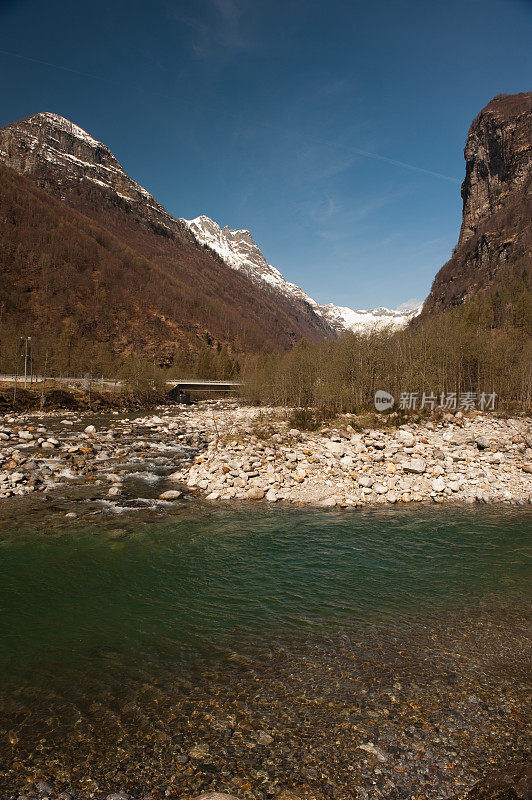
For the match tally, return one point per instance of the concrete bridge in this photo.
(175, 385)
(180, 388)
(204, 385)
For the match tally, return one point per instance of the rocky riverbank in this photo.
(225, 451)
(254, 454)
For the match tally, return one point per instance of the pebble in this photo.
(199, 751)
(264, 738)
(44, 788)
(375, 751)
(215, 796)
(256, 493)
(248, 453)
(416, 465)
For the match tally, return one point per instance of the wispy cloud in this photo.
(335, 221)
(219, 27)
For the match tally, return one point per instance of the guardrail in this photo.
(186, 384)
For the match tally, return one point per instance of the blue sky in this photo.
(332, 130)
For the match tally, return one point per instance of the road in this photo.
(187, 384)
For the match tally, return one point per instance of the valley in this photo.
(256, 545)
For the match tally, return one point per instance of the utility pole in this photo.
(26, 339)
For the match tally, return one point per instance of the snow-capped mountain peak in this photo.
(238, 250)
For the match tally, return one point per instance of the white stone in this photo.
(379, 754)
(336, 448)
(406, 437)
(415, 465)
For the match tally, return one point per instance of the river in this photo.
(253, 650)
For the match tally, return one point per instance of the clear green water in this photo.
(124, 642)
(83, 603)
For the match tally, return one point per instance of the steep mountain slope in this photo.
(495, 242)
(237, 248)
(240, 252)
(194, 296)
(67, 279)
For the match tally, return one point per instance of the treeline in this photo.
(70, 355)
(481, 348)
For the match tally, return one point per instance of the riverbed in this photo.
(229, 452)
(258, 649)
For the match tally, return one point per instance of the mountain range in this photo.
(69, 163)
(82, 243)
(237, 248)
(86, 249)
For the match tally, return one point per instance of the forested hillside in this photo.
(91, 293)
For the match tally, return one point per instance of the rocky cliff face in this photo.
(498, 156)
(60, 156)
(496, 232)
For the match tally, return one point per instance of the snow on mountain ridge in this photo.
(46, 137)
(53, 138)
(238, 250)
(64, 124)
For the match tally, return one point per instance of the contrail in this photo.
(365, 153)
(57, 66)
(406, 166)
(102, 78)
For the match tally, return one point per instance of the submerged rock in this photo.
(513, 782)
(215, 796)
